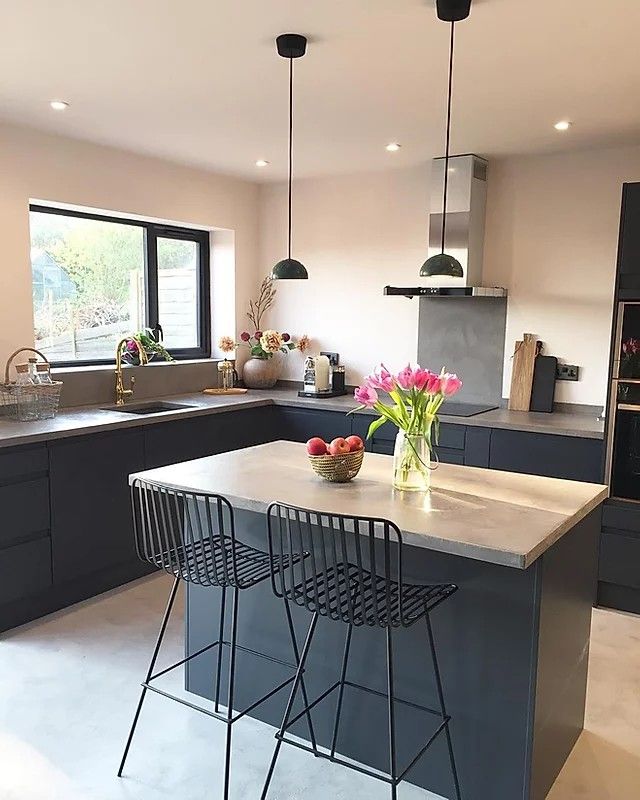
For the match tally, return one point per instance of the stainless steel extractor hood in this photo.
(466, 204)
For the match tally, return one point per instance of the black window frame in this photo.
(152, 232)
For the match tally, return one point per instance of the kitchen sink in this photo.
(157, 407)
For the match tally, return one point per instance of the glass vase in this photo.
(411, 463)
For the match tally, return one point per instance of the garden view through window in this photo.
(97, 279)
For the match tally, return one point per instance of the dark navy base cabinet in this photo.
(553, 456)
(68, 536)
(619, 575)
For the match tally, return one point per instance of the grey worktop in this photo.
(487, 515)
(93, 419)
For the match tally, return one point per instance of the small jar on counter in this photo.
(226, 374)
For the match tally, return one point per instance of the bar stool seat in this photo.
(369, 605)
(218, 556)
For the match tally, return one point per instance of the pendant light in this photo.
(290, 46)
(451, 11)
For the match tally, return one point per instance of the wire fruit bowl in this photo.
(338, 469)
(28, 402)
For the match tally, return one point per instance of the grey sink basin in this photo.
(152, 407)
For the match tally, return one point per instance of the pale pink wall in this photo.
(551, 240)
(354, 234)
(35, 165)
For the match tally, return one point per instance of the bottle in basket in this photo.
(44, 374)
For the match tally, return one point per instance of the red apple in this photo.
(316, 446)
(339, 447)
(355, 443)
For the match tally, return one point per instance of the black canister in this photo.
(338, 379)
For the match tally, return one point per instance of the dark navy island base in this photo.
(513, 646)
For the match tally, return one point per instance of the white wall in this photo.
(35, 165)
(551, 240)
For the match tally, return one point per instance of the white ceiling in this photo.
(199, 81)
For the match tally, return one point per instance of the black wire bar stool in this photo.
(354, 575)
(192, 537)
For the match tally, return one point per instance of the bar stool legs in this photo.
(394, 778)
(228, 718)
(392, 718)
(154, 657)
(343, 677)
(220, 638)
(232, 675)
(287, 713)
(436, 670)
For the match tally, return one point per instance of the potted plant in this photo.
(262, 369)
(146, 341)
(417, 396)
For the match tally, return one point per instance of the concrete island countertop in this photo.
(93, 419)
(487, 515)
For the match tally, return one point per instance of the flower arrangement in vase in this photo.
(262, 370)
(417, 396)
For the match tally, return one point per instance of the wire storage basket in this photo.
(27, 402)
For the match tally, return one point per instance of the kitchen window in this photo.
(97, 279)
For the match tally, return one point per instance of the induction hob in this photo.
(465, 409)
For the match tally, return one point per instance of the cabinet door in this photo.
(629, 254)
(300, 424)
(567, 457)
(184, 440)
(91, 527)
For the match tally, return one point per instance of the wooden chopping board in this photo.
(524, 362)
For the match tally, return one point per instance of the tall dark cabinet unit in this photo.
(619, 584)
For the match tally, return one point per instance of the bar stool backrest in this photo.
(190, 535)
(352, 569)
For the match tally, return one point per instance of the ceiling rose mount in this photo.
(453, 10)
(290, 46)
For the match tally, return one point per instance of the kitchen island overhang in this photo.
(514, 641)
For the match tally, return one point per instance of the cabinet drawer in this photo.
(25, 569)
(620, 560)
(622, 518)
(449, 456)
(25, 509)
(22, 462)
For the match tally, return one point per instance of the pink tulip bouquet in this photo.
(417, 395)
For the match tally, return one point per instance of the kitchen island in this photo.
(513, 642)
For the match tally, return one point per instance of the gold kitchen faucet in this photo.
(121, 393)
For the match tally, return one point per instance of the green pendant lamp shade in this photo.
(443, 263)
(289, 269)
(290, 46)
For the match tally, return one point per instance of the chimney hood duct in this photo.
(466, 204)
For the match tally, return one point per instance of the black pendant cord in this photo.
(448, 139)
(290, 147)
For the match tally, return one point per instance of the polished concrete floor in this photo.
(69, 684)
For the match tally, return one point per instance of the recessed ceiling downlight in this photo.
(393, 147)
(562, 125)
(262, 163)
(59, 105)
